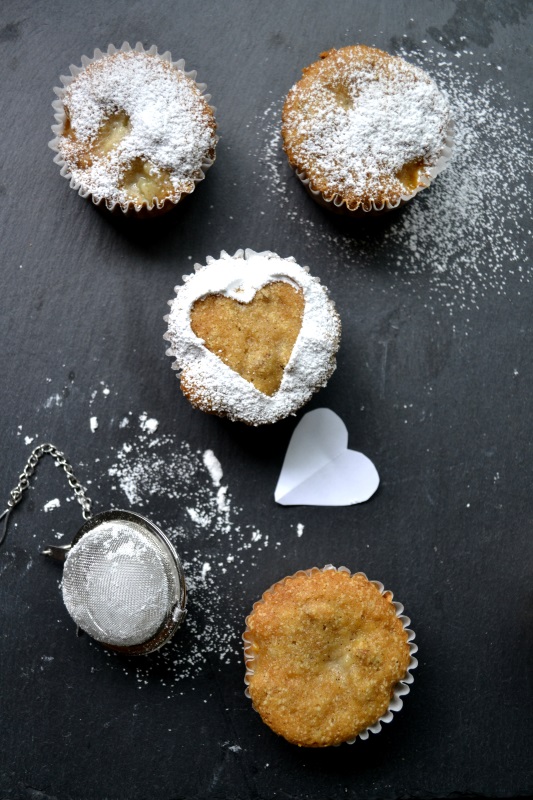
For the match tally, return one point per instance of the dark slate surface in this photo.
(86, 306)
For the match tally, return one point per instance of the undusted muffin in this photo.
(253, 335)
(364, 130)
(327, 657)
(134, 130)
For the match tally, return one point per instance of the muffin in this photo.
(327, 657)
(253, 336)
(134, 130)
(365, 131)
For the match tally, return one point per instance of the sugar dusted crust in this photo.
(325, 651)
(365, 127)
(254, 336)
(136, 130)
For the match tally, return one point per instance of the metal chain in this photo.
(61, 460)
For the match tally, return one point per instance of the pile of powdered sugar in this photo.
(216, 386)
(463, 238)
(170, 122)
(389, 114)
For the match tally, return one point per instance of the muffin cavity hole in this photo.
(255, 339)
(409, 175)
(144, 182)
(67, 127)
(81, 154)
(111, 133)
(342, 94)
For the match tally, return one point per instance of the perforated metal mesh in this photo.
(119, 583)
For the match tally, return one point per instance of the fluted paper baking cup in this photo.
(144, 209)
(338, 205)
(402, 688)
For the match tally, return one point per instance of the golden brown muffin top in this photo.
(326, 649)
(365, 126)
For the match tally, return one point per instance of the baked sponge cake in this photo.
(326, 653)
(253, 336)
(134, 130)
(364, 130)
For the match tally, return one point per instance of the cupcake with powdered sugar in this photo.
(134, 130)
(366, 131)
(253, 336)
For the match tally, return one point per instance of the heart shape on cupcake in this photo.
(255, 339)
(319, 470)
(253, 336)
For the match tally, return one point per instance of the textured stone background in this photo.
(436, 391)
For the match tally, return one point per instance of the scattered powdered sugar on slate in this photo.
(55, 503)
(215, 546)
(148, 424)
(214, 466)
(461, 239)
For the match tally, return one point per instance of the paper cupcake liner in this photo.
(338, 205)
(402, 688)
(138, 209)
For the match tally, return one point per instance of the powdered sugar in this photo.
(356, 121)
(240, 277)
(213, 465)
(148, 424)
(169, 123)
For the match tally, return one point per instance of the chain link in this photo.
(62, 461)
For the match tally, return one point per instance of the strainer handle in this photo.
(58, 552)
(5, 517)
(24, 481)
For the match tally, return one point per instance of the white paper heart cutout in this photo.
(319, 470)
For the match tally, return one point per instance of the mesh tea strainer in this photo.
(123, 582)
